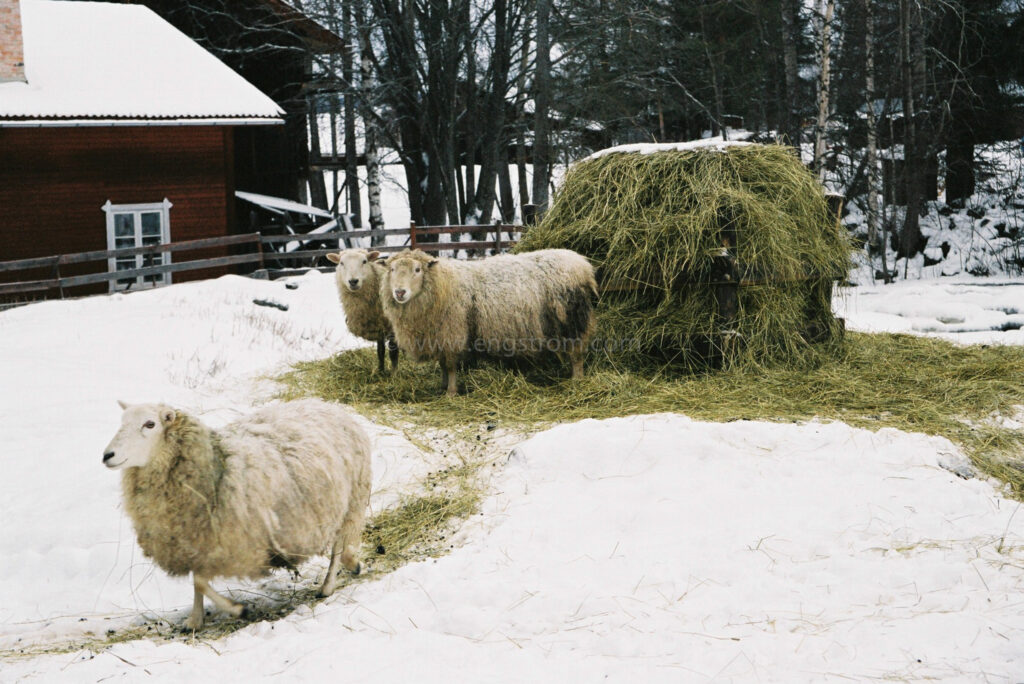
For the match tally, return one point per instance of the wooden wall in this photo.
(54, 181)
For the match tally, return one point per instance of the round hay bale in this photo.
(705, 254)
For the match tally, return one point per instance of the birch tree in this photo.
(824, 10)
(870, 99)
(369, 117)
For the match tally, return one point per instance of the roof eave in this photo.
(86, 122)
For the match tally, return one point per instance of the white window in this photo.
(138, 225)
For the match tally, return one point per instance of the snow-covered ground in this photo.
(983, 236)
(651, 548)
(965, 310)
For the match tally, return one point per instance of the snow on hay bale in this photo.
(704, 253)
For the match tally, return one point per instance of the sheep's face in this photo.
(355, 267)
(406, 277)
(142, 429)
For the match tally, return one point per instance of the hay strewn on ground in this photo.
(910, 383)
(653, 223)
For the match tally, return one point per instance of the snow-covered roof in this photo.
(281, 204)
(715, 143)
(122, 63)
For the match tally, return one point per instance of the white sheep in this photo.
(509, 305)
(358, 280)
(285, 483)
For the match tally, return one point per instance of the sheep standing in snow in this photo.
(285, 483)
(358, 280)
(509, 305)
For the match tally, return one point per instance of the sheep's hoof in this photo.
(358, 569)
(193, 624)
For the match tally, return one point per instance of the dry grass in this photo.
(910, 383)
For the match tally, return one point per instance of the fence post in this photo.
(497, 237)
(259, 246)
(412, 235)
(529, 214)
(56, 275)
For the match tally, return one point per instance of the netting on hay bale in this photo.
(705, 255)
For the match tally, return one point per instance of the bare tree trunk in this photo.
(472, 138)
(824, 10)
(369, 125)
(790, 34)
(506, 204)
(913, 167)
(713, 64)
(870, 97)
(317, 185)
(494, 117)
(542, 97)
(351, 155)
(524, 184)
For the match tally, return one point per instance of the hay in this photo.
(652, 224)
(910, 383)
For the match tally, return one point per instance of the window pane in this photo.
(123, 264)
(122, 243)
(151, 224)
(124, 225)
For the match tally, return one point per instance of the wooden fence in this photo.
(58, 283)
(262, 255)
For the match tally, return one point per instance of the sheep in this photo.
(509, 305)
(358, 280)
(270, 490)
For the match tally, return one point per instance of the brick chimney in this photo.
(12, 51)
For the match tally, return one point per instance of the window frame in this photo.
(136, 210)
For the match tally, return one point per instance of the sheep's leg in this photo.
(577, 364)
(444, 374)
(203, 588)
(449, 367)
(380, 356)
(346, 548)
(576, 351)
(352, 531)
(332, 570)
(393, 352)
(196, 619)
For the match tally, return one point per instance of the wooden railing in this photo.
(59, 283)
(265, 255)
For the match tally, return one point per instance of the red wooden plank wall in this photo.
(54, 181)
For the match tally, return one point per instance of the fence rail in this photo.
(265, 250)
(59, 283)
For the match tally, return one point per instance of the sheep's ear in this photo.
(122, 404)
(372, 256)
(167, 416)
(334, 257)
(432, 263)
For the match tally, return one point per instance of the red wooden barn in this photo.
(116, 130)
